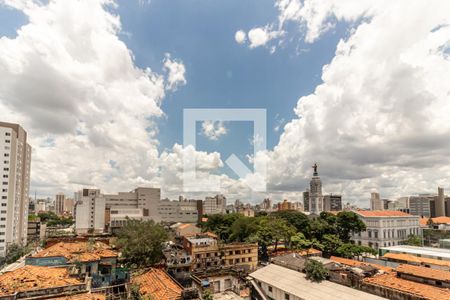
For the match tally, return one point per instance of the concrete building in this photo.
(59, 204)
(332, 202)
(386, 228)
(89, 211)
(306, 200)
(69, 205)
(375, 201)
(41, 205)
(266, 204)
(247, 212)
(440, 203)
(15, 163)
(214, 205)
(420, 205)
(315, 193)
(141, 197)
(183, 211)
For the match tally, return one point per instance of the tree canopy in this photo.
(315, 271)
(141, 242)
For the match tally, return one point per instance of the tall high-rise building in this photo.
(315, 193)
(332, 202)
(15, 160)
(440, 203)
(306, 200)
(375, 201)
(59, 203)
(214, 205)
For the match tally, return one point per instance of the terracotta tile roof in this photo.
(32, 278)
(441, 220)
(424, 272)
(423, 221)
(355, 263)
(415, 259)
(182, 226)
(82, 296)
(390, 280)
(158, 285)
(382, 213)
(78, 251)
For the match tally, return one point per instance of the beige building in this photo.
(375, 201)
(69, 205)
(215, 205)
(241, 254)
(15, 163)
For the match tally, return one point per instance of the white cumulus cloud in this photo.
(213, 130)
(176, 72)
(240, 36)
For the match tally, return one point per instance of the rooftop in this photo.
(78, 251)
(295, 283)
(437, 220)
(355, 263)
(158, 285)
(82, 296)
(33, 278)
(424, 272)
(416, 259)
(391, 281)
(382, 213)
(415, 250)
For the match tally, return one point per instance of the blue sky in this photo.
(221, 73)
(372, 82)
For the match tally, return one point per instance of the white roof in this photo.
(295, 283)
(438, 252)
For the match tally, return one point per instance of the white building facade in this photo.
(15, 161)
(386, 228)
(89, 211)
(215, 205)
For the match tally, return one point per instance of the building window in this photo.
(8, 133)
(8, 141)
(270, 289)
(286, 296)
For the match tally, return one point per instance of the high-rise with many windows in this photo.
(15, 159)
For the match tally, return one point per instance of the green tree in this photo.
(141, 242)
(331, 243)
(347, 223)
(295, 218)
(220, 224)
(315, 270)
(242, 229)
(349, 250)
(207, 295)
(414, 240)
(14, 252)
(299, 241)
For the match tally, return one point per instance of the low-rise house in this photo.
(417, 261)
(279, 283)
(86, 259)
(38, 282)
(185, 229)
(291, 261)
(429, 276)
(390, 286)
(158, 285)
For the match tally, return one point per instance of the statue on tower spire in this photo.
(315, 169)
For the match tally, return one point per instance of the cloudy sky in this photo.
(361, 87)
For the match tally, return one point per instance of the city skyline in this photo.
(358, 87)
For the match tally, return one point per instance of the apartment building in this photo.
(207, 252)
(59, 203)
(15, 161)
(332, 202)
(215, 205)
(89, 211)
(386, 228)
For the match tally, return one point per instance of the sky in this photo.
(360, 87)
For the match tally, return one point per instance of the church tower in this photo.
(315, 193)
